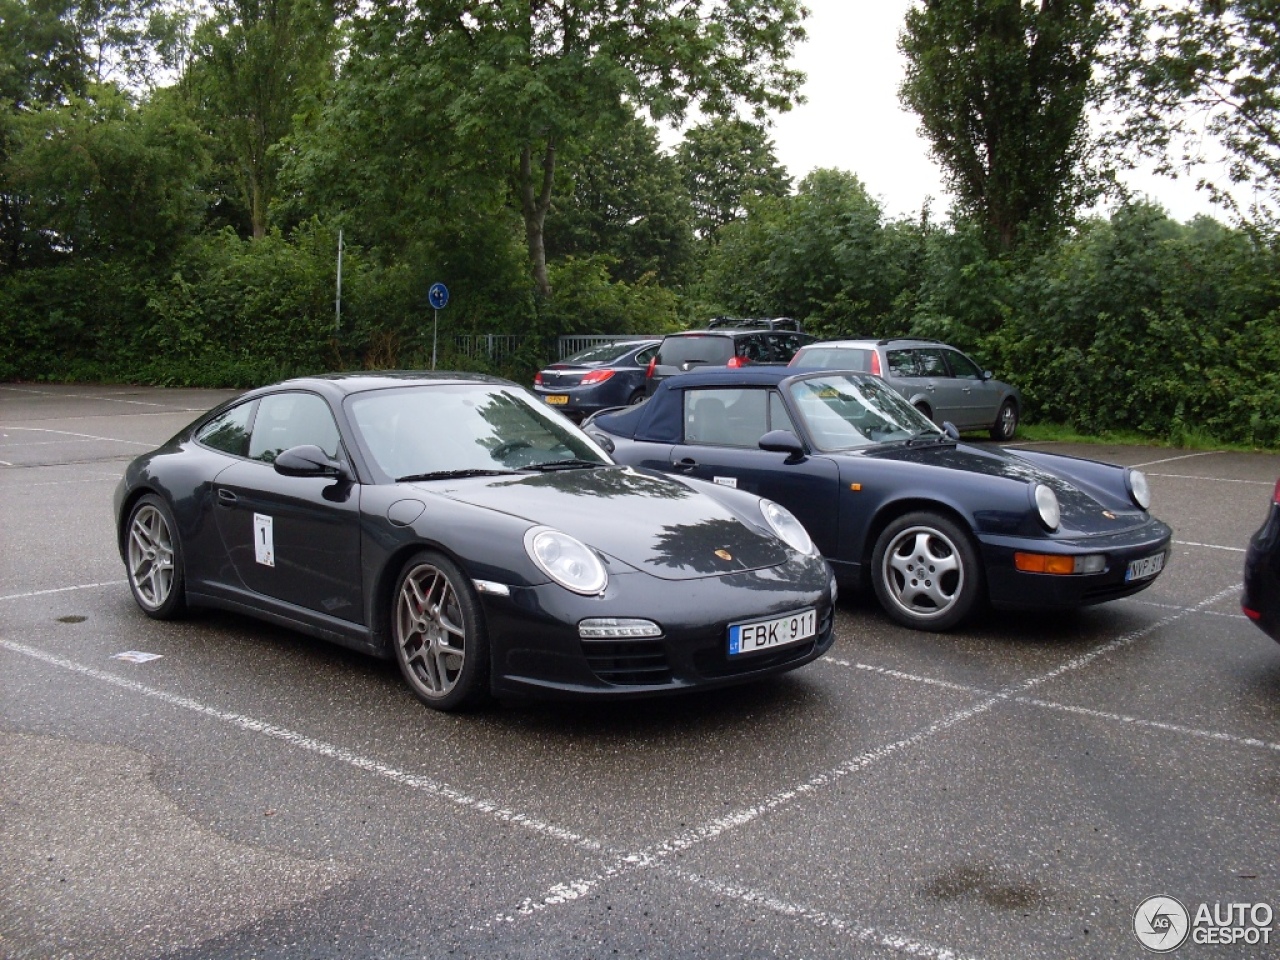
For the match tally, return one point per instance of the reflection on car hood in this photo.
(654, 524)
(1086, 508)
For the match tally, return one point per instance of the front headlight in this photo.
(1139, 489)
(786, 527)
(1048, 506)
(566, 560)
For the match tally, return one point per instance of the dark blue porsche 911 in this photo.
(937, 525)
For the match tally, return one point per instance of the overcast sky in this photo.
(853, 120)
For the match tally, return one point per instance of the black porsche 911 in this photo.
(454, 523)
(938, 525)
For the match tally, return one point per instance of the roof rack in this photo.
(755, 323)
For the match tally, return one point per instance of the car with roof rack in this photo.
(947, 386)
(725, 346)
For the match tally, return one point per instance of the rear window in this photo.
(677, 351)
(834, 358)
(602, 353)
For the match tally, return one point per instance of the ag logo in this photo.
(1161, 924)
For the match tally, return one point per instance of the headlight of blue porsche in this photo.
(1139, 489)
(566, 560)
(786, 527)
(1048, 506)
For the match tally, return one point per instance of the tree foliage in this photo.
(727, 162)
(1183, 70)
(1001, 88)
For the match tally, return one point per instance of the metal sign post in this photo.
(438, 297)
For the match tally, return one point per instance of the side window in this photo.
(902, 363)
(289, 419)
(229, 432)
(962, 366)
(644, 356)
(785, 346)
(726, 418)
(779, 419)
(753, 349)
(931, 363)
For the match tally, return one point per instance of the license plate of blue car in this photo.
(764, 634)
(1144, 568)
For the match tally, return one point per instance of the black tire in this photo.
(438, 635)
(926, 572)
(153, 559)
(925, 411)
(1006, 424)
(636, 397)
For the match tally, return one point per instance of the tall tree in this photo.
(1001, 88)
(727, 162)
(1185, 69)
(530, 79)
(254, 63)
(626, 201)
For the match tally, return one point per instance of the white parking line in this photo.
(85, 436)
(1185, 456)
(45, 593)
(1184, 476)
(1208, 546)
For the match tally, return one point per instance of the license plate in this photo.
(764, 634)
(556, 399)
(1144, 568)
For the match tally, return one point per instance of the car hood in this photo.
(1087, 508)
(654, 524)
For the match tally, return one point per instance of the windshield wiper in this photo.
(926, 436)
(571, 464)
(452, 475)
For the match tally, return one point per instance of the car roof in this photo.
(358, 381)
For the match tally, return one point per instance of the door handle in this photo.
(688, 463)
(226, 497)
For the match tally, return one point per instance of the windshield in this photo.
(844, 412)
(457, 429)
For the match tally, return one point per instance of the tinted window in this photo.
(754, 349)
(644, 356)
(962, 366)
(677, 351)
(833, 358)
(931, 363)
(229, 432)
(902, 363)
(785, 345)
(288, 420)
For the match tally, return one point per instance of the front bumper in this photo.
(1010, 588)
(537, 651)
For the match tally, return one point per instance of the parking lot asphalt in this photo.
(1016, 789)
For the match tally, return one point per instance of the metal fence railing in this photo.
(498, 346)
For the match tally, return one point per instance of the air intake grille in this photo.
(628, 662)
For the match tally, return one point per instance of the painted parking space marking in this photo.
(1185, 456)
(83, 436)
(82, 586)
(656, 854)
(1184, 476)
(1208, 546)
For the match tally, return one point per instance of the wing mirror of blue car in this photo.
(783, 441)
(308, 460)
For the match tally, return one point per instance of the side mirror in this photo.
(604, 441)
(783, 441)
(950, 430)
(987, 375)
(308, 460)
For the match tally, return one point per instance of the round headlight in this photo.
(567, 561)
(1139, 489)
(786, 527)
(1047, 504)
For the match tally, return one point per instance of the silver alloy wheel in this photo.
(151, 557)
(922, 572)
(1008, 422)
(430, 631)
